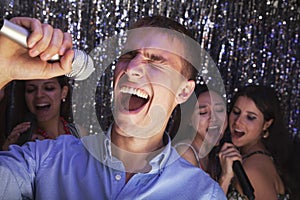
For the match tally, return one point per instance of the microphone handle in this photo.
(243, 179)
(26, 136)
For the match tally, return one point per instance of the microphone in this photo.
(243, 179)
(82, 65)
(26, 136)
(240, 173)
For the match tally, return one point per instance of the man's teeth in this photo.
(134, 91)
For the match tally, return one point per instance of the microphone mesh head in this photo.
(82, 66)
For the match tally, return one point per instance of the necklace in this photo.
(66, 129)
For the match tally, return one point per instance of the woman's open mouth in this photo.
(42, 106)
(237, 133)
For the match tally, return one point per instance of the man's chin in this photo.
(138, 132)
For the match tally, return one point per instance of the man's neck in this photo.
(135, 153)
(136, 144)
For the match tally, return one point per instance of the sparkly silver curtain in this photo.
(251, 41)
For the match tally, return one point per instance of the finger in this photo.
(23, 124)
(13, 138)
(33, 25)
(232, 156)
(20, 128)
(229, 149)
(67, 43)
(62, 67)
(230, 153)
(13, 134)
(226, 145)
(43, 43)
(53, 47)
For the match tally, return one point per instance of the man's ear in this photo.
(185, 91)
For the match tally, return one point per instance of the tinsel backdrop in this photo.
(251, 41)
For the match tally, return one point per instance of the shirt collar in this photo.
(99, 146)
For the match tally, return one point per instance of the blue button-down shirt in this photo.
(71, 168)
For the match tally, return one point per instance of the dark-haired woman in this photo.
(259, 136)
(49, 102)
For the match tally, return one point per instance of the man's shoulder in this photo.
(192, 179)
(186, 169)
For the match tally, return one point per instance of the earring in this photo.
(63, 100)
(265, 134)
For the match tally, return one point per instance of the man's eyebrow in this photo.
(127, 52)
(155, 57)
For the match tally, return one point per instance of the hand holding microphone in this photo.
(42, 40)
(231, 167)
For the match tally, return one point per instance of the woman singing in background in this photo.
(49, 102)
(260, 137)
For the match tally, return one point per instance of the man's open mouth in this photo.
(133, 99)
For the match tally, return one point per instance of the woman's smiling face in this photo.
(210, 114)
(43, 98)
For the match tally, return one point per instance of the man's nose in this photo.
(136, 68)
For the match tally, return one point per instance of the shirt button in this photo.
(118, 177)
